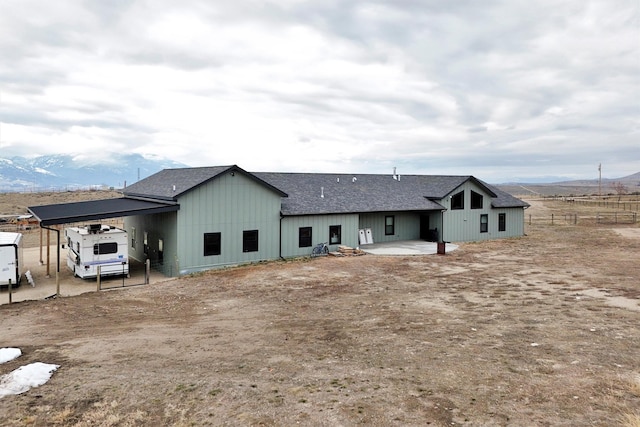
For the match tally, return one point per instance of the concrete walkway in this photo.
(406, 247)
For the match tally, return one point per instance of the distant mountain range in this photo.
(58, 172)
(65, 172)
(577, 187)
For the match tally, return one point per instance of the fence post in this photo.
(529, 219)
(147, 271)
(10, 298)
(551, 219)
(99, 276)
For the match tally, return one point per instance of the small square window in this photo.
(335, 234)
(250, 241)
(212, 244)
(304, 237)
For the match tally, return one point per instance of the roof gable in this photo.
(170, 184)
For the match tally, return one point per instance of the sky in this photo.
(505, 90)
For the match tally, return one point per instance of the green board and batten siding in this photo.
(320, 232)
(230, 204)
(463, 225)
(158, 227)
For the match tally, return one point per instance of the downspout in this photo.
(57, 257)
(280, 239)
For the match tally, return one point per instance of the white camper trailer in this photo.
(97, 245)
(10, 259)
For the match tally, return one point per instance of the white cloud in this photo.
(434, 87)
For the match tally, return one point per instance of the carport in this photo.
(67, 213)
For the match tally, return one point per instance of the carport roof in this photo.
(65, 213)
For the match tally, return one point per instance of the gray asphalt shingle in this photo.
(313, 193)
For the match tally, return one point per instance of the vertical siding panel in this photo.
(464, 225)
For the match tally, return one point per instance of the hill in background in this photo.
(578, 187)
(65, 172)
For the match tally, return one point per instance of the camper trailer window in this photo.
(105, 248)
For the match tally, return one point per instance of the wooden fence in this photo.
(575, 219)
(621, 205)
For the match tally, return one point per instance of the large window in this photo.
(457, 200)
(502, 222)
(304, 237)
(335, 234)
(484, 223)
(105, 248)
(250, 241)
(476, 200)
(389, 225)
(212, 244)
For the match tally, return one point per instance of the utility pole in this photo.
(599, 179)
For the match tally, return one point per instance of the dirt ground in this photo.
(534, 331)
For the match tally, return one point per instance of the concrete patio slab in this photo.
(406, 247)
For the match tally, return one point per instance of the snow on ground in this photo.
(7, 354)
(25, 377)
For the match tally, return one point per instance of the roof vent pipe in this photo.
(174, 188)
(322, 192)
(354, 179)
(394, 173)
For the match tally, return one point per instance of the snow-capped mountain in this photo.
(68, 172)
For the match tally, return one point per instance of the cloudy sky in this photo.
(500, 89)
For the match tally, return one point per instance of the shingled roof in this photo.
(169, 184)
(360, 193)
(314, 193)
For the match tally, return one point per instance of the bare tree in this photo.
(620, 189)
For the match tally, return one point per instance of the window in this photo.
(335, 234)
(160, 251)
(457, 201)
(105, 248)
(389, 225)
(212, 244)
(145, 243)
(133, 237)
(304, 237)
(484, 223)
(476, 200)
(250, 241)
(502, 222)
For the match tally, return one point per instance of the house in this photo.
(225, 215)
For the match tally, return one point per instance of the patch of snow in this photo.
(8, 353)
(44, 171)
(26, 377)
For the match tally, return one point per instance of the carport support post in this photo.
(147, 271)
(58, 256)
(41, 262)
(98, 277)
(48, 251)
